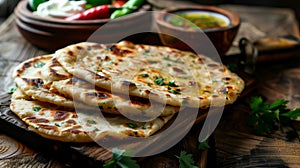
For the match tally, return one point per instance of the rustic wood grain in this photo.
(236, 143)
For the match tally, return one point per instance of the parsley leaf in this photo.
(186, 160)
(265, 117)
(119, 160)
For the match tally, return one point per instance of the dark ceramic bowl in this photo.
(52, 33)
(221, 37)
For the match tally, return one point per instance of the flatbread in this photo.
(63, 83)
(51, 83)
(28, 78)
(56, 123)
(161, 73)
(53, 71)
(111, 103)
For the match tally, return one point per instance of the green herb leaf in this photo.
(91, 122)
(265, 118)
(38, 65)
(293, 114)
(119, 160)
(144, 75)
(172, 84)
(203, 146)
(278, 104)
(12, 89)
(36, 108)
(56, 124)
(131, 125)
(177, 91)
(186, 160)
(159, 81)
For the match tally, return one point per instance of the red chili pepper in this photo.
(98, 12)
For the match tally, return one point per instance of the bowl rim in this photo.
(234, 19)
(54, 25)
(23, 9)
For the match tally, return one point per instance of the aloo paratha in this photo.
(27, 77)
(51, 83)
(112, 103)
(161, 73)
(57, 123)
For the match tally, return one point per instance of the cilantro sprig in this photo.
(266, 118)
(120, 161)
(203, 145)
(186, 160)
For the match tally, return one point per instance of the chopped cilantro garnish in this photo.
(91, 122)
(177, 91)
(56, 124)
(39, 65)
(12, 89)
(186, 160)
(36, 108)
(159, 81)
(131, 125)
(119, 160)
(172, 84)
(144, 75)
(96, 130)
(35, 87)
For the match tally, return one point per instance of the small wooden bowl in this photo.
(52, 33)
(221, 38)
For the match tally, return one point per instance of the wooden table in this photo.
(235, 143)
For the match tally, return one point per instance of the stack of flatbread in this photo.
(96, 90)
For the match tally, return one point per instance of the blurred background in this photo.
(7, 6)
(292, 4)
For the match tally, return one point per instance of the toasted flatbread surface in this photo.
(81, 91)
(161, 73)
(111, 103)
(57, 123)
(28, 78)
